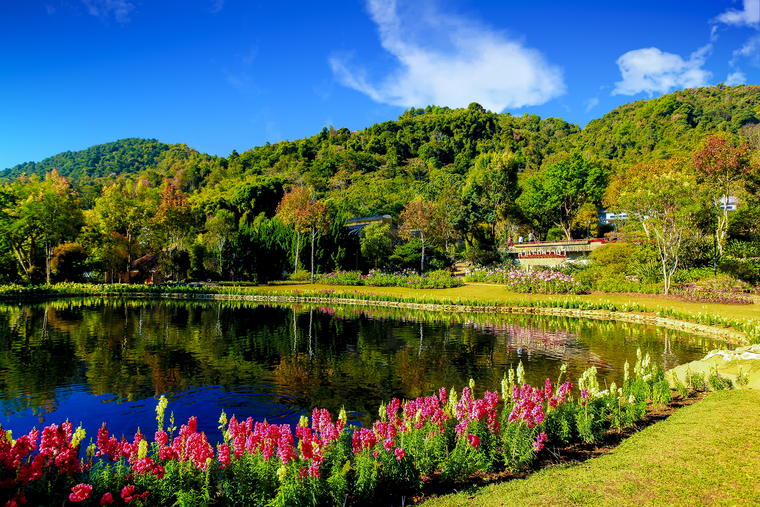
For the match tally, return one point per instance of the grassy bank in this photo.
(743, 321)
(489, 294)
(704, 454)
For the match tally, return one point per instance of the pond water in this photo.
(108, 360)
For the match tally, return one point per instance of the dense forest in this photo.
(478, 178)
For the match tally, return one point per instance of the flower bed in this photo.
(407, 278)
(519, 280)
(447, 435)
(692, 292)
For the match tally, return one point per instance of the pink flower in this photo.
(80, 492)
(161, 438)
(399, 453)
(107, 499)
(223, 455)
(539, 444)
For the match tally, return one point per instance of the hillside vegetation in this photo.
(485, 178)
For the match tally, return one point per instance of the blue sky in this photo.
(220, 75)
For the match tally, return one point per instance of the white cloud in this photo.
(104, 8)
(457, 62)
(217, 6)
(750, 50)
(736, 78)
(653, 71)
(749, 16)
(591, 103)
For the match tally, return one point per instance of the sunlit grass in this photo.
(704, 454)
(494, 293)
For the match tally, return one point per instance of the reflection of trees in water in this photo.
(325, 357)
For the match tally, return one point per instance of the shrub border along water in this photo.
(629, 311)
(444, 435)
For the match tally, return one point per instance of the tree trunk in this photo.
(422, 259)
(298, 248)
(313, 240)
(48, 260)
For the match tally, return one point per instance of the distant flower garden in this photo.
(446, 435)
(407, 278)
(520, 280)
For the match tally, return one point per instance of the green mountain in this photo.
(422, 142)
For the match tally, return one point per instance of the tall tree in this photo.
(291, 212)
(557, 194)
(219, 230)
(664, 196)
(117, 225)
(420, 219)
(493, 184)
(300, 210)
(59, 213)
(722, 164)
(38, 213)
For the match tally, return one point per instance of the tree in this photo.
(291, 212)
(664, 196)
(118, 224)
(376, 242)
(69, 262)
(44, 213)
(420, 220)
(557, 194)
(59, 213)
(298, 209)
(493, 184)
(219, 229)
(171, 223)
(722, 164)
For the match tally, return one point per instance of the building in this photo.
(551, 253)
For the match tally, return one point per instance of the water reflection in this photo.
(95, 360)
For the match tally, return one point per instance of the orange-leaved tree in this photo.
(722, 163)
(421, 219)
(302, 211)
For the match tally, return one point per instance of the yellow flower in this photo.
(282, 472)
(78, 436)
(142, 450)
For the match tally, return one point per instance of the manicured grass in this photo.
(704, 454)
(495, 293)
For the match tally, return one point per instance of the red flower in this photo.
(474, 441)
(80, 492)
(107, 499)
(223, 456)
(399, 453)
(127, 492)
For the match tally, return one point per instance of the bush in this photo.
(301, 276)
(407, 256)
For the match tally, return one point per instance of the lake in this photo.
(95, 360)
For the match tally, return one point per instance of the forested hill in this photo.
(423, 143)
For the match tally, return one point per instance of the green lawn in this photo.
(705, 454)
(494, 293)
